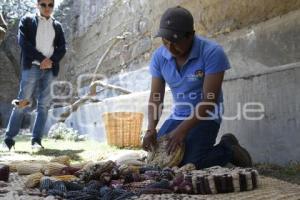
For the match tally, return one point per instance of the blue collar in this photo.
(194, 53)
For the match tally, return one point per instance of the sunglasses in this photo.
(50, 5)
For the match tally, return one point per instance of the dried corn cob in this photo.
(79, 165)
(53, 169)
(13, 166)
(85, 168)
(4, 172)
(94, 171)
(185, 168)
(69, 171)
(72, 186)
(160, 157)
(55, 192)
(46, 184)
(33, 180)
(177, 157)
(43, 162)
(88, 165)
(65, 160)
(66, 178)
(26, 168)
(59, 185)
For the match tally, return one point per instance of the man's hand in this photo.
(176, 139)
(149, 140)
(46, 64)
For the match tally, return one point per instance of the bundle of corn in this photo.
(53, 169)
(66, 178)
(33, 180)
(94, 171)
(160, 156)
(221, 180)
(65, 160)
(27, 168)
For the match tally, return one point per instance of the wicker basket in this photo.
(123, 129)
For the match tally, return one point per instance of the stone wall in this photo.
(269, 37)
(90, 25)
(99, 22)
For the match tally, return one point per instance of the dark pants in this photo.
(199, 144)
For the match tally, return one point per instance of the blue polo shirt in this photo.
(186, 84)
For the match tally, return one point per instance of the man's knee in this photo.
(20, 103)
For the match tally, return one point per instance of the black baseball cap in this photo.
(175, 23)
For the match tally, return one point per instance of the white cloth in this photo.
(45, 37)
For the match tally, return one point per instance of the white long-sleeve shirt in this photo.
(45, 37)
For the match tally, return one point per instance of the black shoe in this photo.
(230, 139)
(9, 143)
(241, 156)
(36, 143)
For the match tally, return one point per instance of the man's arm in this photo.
(155, 107)
(60, 48)
(156, 99)
(211, 90)
(27, 48)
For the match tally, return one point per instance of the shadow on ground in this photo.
(73, 154)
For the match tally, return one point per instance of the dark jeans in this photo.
(199, 144)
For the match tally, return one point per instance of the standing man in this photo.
(42, 43)
(3, 28)
(194, 68)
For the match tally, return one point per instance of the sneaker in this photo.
(241, 156)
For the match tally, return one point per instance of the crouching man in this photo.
(193, 67)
